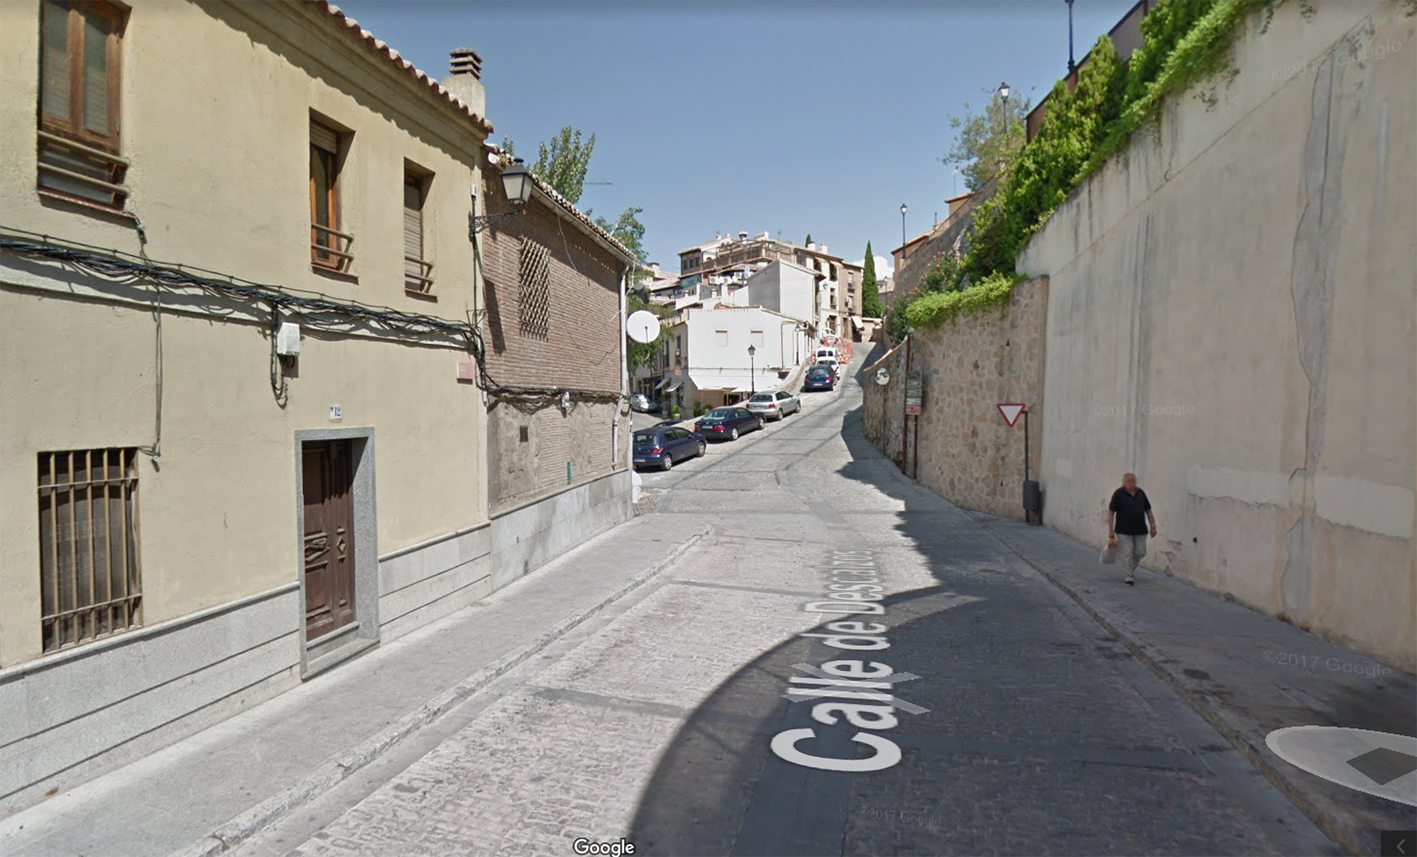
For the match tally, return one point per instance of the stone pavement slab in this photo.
(1246, 673)
(238, 776)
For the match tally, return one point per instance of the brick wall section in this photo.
(580, 352)
(966, 452)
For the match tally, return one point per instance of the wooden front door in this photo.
(329, 536)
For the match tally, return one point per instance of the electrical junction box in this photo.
(288, 339)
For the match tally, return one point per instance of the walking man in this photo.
(1128, 517)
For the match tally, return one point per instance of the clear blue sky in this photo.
(798, 117)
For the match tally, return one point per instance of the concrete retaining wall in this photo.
(1231, 315)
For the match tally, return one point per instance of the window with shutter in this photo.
(329, 247)
(417, 270)
(78, 139)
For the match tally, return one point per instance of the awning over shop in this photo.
(674, 384)
(727, 381)
(660, 385)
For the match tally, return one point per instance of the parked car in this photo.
(728, 422)
(662, 445)
(774, 404)
(826, 353)
(819, 377)
(644, 404)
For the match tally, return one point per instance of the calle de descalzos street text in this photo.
(851, 692)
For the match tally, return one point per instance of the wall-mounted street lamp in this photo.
(752, 371)
(517, 183)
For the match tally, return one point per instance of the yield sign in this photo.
(1011, 412)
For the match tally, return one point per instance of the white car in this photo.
(774, 404)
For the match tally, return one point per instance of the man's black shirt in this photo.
(1131, 512)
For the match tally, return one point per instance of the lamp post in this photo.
(1072, 66)
(903, 208)
(1004, 100)
(752, 371)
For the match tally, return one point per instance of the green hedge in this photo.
(933, 309)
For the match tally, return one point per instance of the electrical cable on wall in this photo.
(314, 309)
(154, 452)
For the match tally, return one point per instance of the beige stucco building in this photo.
(242, 436)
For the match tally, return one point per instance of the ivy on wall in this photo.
(1186, 43)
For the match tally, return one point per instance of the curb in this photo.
(329, 774)
(1218, 718)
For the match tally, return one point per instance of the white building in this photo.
(715, 366)
(786, 288)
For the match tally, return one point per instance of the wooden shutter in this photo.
(413, 220)
(55, 62)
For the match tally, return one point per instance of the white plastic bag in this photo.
(1109, 553)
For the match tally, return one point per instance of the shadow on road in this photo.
(1007, 759)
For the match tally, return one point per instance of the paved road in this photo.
(1027, 728)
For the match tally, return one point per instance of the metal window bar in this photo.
(111, 165)
(417, 274)
(329, 248)
(85, 596)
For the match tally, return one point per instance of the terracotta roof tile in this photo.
(378, 46)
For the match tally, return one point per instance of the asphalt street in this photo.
(733, 707)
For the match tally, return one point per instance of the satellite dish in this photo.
(642, 326)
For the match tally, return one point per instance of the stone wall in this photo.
(1231, 317)
(960, 447)
(883, 407)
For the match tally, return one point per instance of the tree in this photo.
(510, 147)
(628, 230)
(807, 242)
(871, 305)
(639, 354)
(563, 162)
(986, 140)
(1051, 165)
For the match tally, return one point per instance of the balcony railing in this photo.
(329, 248)
(81, 171)
(417, 275)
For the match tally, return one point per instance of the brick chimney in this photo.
(464, 80)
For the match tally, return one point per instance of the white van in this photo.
(825, 354)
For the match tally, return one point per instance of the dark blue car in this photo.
(819, 377)
(662, 445)
(728, 423)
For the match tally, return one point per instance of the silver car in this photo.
(774, 404)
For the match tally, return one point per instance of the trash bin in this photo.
(1032, 496)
